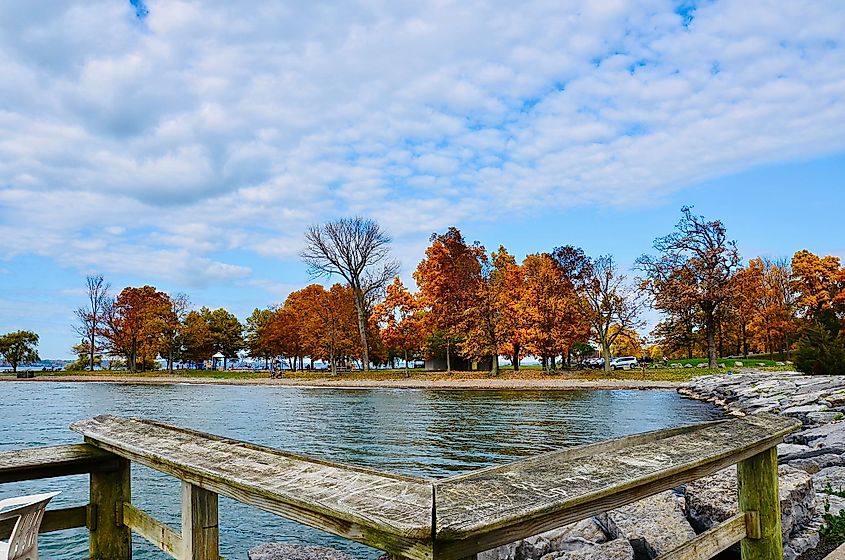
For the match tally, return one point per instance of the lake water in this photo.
(416, 432)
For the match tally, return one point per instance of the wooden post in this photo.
(199, 524)
(758, 491)
(109, 538)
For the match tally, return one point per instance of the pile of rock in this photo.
(812, 458)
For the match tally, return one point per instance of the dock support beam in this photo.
(758, 490)
(199, 524)
(109, 538)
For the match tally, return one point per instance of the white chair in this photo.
(23, 544)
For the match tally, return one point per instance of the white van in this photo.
(623, 362)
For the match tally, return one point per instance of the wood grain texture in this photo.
(200, 533)
(47, 462)
(711, 542)
(54, 520)
(758, 491)
(386, 511)
(536, 494)
(156, 532)
(447, 519)
(109, 538)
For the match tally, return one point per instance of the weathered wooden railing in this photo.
(413, 518)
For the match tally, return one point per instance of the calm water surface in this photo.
(416, 432)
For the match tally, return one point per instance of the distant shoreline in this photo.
(486, 383)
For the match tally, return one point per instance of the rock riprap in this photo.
(812, 460)
(282, 551)
(653, 526)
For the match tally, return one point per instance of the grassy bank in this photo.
(529, 373)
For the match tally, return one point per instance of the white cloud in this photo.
(159, 147)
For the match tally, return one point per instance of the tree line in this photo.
(472, 305)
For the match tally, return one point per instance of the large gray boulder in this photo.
(281, 551)
(619, 549)
(713, 499)
(568, 538)
(831, 478)
(653, 526)
(816, 463)
(826, 435)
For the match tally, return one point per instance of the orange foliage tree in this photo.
(401, 321)
(136, 325)
(448, 279)
(508, 283)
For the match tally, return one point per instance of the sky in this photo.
(188, 145)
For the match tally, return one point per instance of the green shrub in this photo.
(834, 525)
(820, 352)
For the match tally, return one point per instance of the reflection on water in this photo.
(417, 432)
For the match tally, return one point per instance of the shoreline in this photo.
(481, 384)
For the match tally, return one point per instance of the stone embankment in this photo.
(812, 460)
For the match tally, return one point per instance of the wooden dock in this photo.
(414, 518)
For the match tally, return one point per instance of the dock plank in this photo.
(53, 461)
(387, 511)
(499, 505)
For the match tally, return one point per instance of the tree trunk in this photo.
(133, 367)
(448, 358)
(362, 328)
(516, 357)
(407, 371)
(91, 348)
(710, 325)
(605, 352)
(170, 357)
(494, 365)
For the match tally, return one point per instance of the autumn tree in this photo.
(400, 318)
(744, 304)
(677, 334)
(172, 325)
(136, 325)
(774, 325)
(482, 317)
(611, 304)
(19, 347)
(626, 343)
(693, 269)
(287, 335)
(820, 285)
(575, 266)
(335, 324)
(544, 306)
(91, 317)
(356, 249)
(196, 337)
(448, 279)
(508, 284)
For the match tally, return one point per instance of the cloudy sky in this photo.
(188, 144)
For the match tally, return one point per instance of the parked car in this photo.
(594, 363)
(624, 362)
